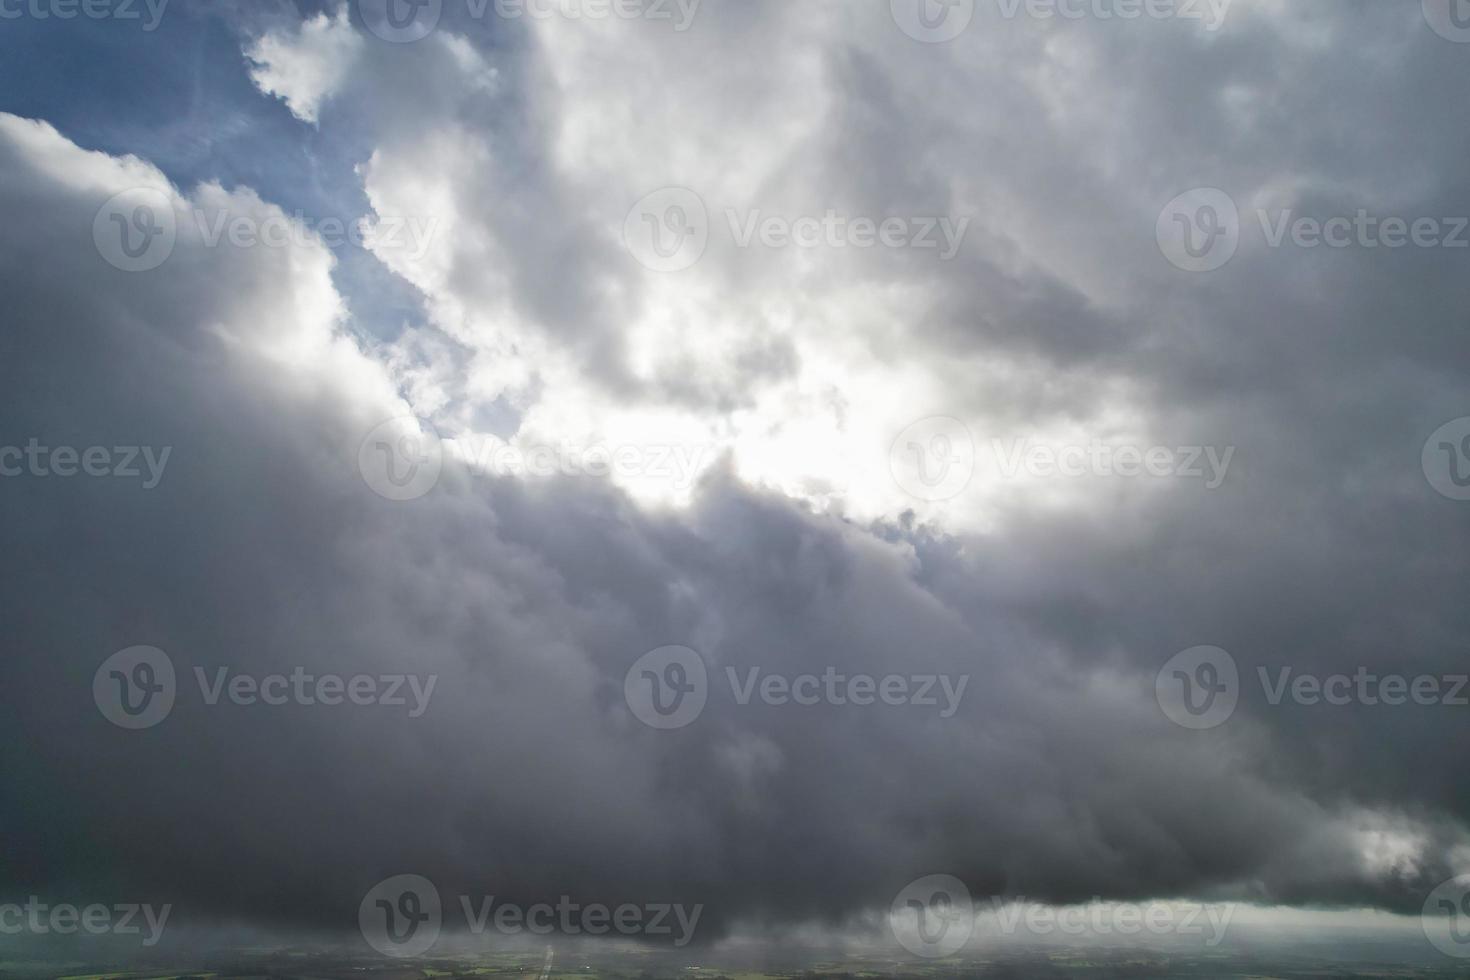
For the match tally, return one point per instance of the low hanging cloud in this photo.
(890, 684)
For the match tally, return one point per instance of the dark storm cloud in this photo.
(1057, 778)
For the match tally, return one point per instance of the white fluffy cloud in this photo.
(305, 68)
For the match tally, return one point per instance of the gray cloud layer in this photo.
(1058, 778)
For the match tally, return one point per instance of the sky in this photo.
(789, 459)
